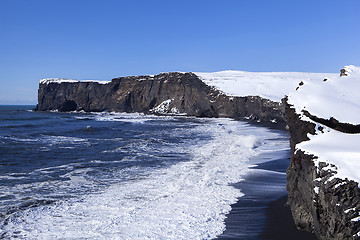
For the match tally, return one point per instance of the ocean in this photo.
(134, 176)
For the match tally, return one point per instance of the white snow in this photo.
(62, 80)
(337, 97)
(271, 85)
(316, 190)
(350, 209)
(56, 80)
(337, 148)
(163, 107)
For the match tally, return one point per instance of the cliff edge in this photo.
(166, 93)
(322, 179)
(322, 114)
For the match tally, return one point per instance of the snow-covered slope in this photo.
(337, 148)
(270, 85)
(336, 97)
(339, 98)
(323, 177)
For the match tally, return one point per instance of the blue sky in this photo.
(106, 39)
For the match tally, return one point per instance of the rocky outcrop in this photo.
(166, 93)
(334, 123)
(320, 202)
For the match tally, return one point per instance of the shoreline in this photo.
(262, 212)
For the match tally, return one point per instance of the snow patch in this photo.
(337, 97)
(350, 209)
(64, 80)
(339, 149)
(340, 184)
(163, 107)
(270, 85)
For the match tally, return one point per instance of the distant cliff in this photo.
(166, 93)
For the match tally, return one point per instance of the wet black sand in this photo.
(280, 224)
(262, 212)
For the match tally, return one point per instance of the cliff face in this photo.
(322, 179)
(166, 93)
(320, 202)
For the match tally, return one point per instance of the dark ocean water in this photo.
(132, 176)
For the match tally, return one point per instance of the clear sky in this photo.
(85, 39)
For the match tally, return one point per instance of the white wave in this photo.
(55, 188)
(9, 177)
(188, 200)
(51, 140)
(128, 117)
(62, 139)
(18, 139)
(56, 168)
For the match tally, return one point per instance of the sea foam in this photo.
(183, 199)
(187, 200)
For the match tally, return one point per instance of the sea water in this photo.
(124, 176)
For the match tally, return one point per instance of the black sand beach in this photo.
(280, 224)
(262, 212)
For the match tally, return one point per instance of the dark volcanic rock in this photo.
(319, 202)
(166, 93)
(335, 124)
(69, 105)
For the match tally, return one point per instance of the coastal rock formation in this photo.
(319, 202)
(167, 93)
(322, 182)
(323, 119)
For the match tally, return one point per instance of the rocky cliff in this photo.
(322, 198)
(319, 202)
(166, 93)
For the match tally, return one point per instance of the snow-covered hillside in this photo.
(323, 95)
(339, 98)
(336, 97)
(270, 85)
(323, 177)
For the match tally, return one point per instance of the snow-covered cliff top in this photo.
(334, 147)
(336, 97)
(271, 85)
(62, 80)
